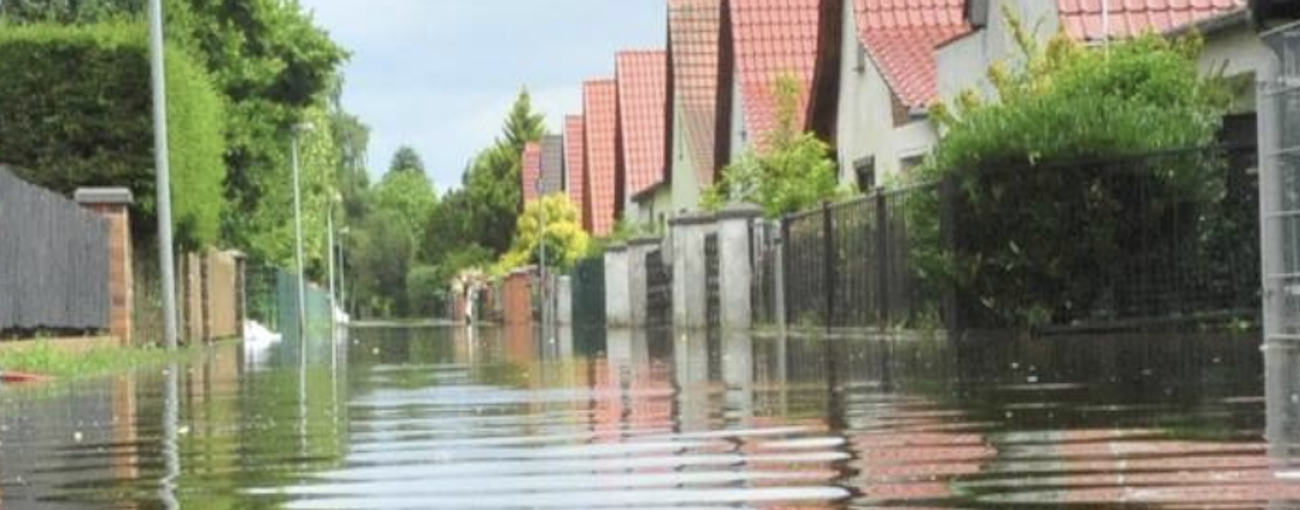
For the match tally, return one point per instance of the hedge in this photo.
(76, 110)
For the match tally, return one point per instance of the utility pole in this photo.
(163, 173)
(297, 227)
(546, 295)
(330, 241)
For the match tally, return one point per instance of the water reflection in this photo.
(464, 418)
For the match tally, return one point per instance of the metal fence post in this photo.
(882, 257)
(948, 232)
(783, 266)
(828, 261)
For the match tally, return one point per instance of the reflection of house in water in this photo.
(633, 391)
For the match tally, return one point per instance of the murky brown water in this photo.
(450, 418)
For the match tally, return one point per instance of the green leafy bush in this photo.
(796, 172)
(76, 110)
(1050, 198)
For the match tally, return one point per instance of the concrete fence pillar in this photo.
(618, 306)
(689, 272)
(564, 301)
(114, 204)
(638, 279)
(736, 266)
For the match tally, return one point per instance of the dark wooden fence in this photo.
(53, 261)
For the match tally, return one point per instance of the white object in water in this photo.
(256, 334)
(1289, 475)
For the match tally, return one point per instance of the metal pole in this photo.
(329, 232)
(163, 173)
(542, 240)
(297, 226)
(1105, 24)
(343, 271)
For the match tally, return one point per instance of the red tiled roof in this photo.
(532, 170)
(901, 36)
(642, 110)
(575, 158)
(695, 39)
(774, 38)
(1082, 19)
(600, 104)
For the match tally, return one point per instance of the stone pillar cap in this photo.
(104, 196)
(692, 219)
(740, 211)
(643, 241)
(616, 247)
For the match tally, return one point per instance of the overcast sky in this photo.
(439, 75)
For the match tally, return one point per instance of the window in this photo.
(864, 170)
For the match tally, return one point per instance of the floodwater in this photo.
(465, 419)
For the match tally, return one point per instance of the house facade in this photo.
(575, 164)
(530, 174)
(699, 90)
(642, 78)
(888, 81)
(775, 40)
(603, 184)
(553, 171)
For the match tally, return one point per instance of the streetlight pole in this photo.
(333, 297)
(297, 227)
(163, 173)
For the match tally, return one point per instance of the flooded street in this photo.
(455, 418)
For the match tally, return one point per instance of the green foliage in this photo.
(67, 11)
(273, 65)
(565, 240)
(382, 254)
(492, 182)
(78, 112)
(410, 195)
(386, 247)
(45, 358)
(426, 288)
(270, 221)
(796, 171)
(406, 160)
(1038, 159)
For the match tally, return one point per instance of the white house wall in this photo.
(866, 120)
(964, 63)
(685, 195)
(740, 132)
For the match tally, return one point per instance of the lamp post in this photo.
(329, 233)
(162, 173)
(298, 130)
(343, 271)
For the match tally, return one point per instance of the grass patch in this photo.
(45, 358)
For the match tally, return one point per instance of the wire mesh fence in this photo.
(1160, 237)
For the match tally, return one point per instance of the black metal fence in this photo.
(848, 265)
(712, 289)
(659, 290)
(53, 261)
(589, 292)
(1153, 238)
